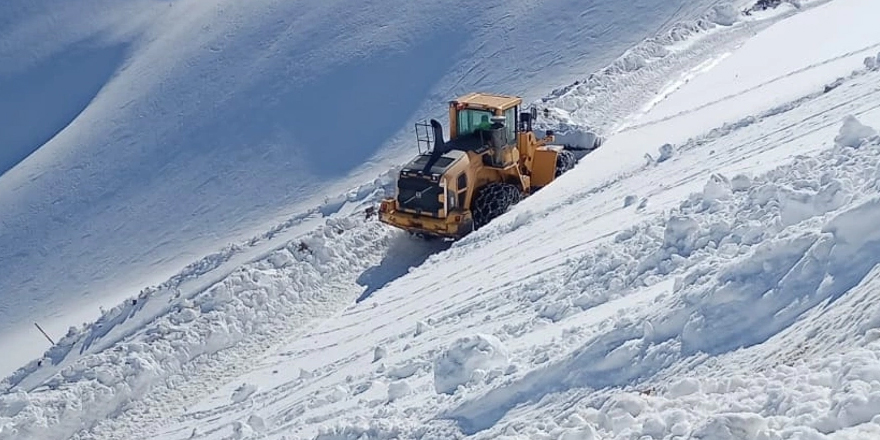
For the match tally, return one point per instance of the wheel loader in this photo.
(491, 160)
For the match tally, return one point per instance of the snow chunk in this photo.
(716, 188)
(853, 133)
(379, 353)
(421, 327)
(856, 226)
(338, 393)
(654, 426)
(467, 359)
(724, 15)
(586, 432)
(740, 182)
(406, 370)
(733, 426)
(873, 63)
(666, 152)
(683, 387)
(257, 423)
(244, 391)
(398, 389)
(578, 138)
(241, 431)
(872, 335)
(280, 259)
(522, 219)
(363, 429)
(681, 234)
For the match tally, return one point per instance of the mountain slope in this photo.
(717, 289)
(147, 134)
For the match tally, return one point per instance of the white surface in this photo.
(139, 136)
(724, 292)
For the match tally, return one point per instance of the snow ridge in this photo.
(608, 97)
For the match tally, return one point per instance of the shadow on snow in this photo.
(404, 252)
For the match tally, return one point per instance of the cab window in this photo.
(470, 120)
(510, 123)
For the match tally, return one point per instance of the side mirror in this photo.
(534, 113)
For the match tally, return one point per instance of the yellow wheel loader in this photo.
(490, 162)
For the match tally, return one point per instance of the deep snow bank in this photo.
(751, 256)
(73, 387)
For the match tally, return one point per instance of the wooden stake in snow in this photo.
(44, 333)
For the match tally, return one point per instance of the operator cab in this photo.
(469, 121)
(487, 122)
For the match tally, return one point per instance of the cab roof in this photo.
(488, 100)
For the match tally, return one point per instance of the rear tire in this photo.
(565, 160)
(493, 200)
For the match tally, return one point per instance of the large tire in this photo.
(493, 200)
(565, 160)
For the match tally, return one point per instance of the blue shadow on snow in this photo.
(40, 101)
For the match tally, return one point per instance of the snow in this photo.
(398, 389)
(469, 359)
(853, 133)
(724, 292)
(140, 136)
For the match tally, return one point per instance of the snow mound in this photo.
(724, 15)
(468, 360)
(586, 432)
(853, 133)
(872, 63)
(364, 430)
(734, 426)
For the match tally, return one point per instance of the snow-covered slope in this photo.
(686, 280)
(139, 136)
